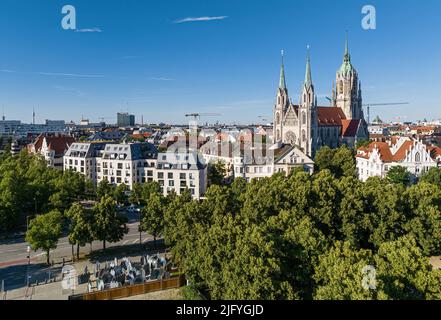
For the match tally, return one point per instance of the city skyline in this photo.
(161, 62)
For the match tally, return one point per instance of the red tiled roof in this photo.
(434, 151)
(59, 144)
(386, 154)
(330, 116)
(401, 153)
(350, 127)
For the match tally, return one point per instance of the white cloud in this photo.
(75, 75)
(89, 30)
(161, 79)
(197, 19)
(56, 74)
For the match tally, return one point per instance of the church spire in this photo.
(347, 56)
(308, 78)
(282, 83)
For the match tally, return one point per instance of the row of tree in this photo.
(325, 236)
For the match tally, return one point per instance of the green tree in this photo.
(339, 274)
(424, 216)
(104, 188)
(153, 216)
(403, 272)
(108, 226)
(217, 172)
(399, 175)
(341, 161)
(120, 194)
(80, 227)
(362, 143)
(44, 232)
(69, 187)
(432, 176)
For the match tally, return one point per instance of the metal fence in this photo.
(133, 290)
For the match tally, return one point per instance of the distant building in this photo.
(125, 120)
(17, 129)
(52, 147)
(380, 157)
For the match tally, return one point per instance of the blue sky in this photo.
(145, 62)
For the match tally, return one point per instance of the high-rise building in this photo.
(125, 120)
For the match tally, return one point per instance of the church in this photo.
(310, 126)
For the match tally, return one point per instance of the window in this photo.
(171, 183)
(160, 175)
(304, 117)
(170, 175)
(182, 176)
(418, 157)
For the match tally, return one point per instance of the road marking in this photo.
(125, 242)
(135, 241)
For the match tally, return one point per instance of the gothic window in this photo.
(304, 97)
(290, 138)
(303, 117)
(418, 157)
(278, 134)
(303, 135)
(278, 100)
(340, 87)
(278, 118)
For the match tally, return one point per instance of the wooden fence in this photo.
(133, 290)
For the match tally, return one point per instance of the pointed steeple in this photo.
(282, 83)
(346, 66)
(347, 56)
(308, 78)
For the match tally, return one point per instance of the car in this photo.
(133, 209)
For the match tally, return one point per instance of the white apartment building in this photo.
(380, 157)
(254, 161)
(124, 163)
(138, 163)
(180, 171)
(83, 158)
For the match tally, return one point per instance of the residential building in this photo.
(82, 158)
(52, 147)
(380, 157)
(132, 163)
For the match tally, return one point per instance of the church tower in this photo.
(308, 113)
(282, 103)
(347, 94)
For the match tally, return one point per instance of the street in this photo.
(13, 252)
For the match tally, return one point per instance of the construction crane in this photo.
(197, 116)
(369, 105)
(264, 118)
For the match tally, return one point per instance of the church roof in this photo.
(330, 116)
(350, 127)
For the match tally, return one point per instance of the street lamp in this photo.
(28, 250)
